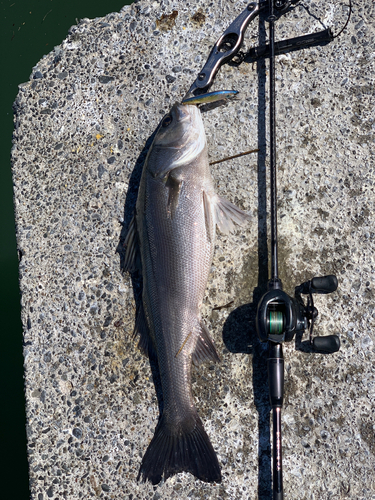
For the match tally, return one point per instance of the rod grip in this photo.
(301, 42)
(275, 365)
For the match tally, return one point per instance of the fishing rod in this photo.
(280, 317)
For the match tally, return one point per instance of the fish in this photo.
(172, 235)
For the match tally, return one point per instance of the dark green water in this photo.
(29, 29)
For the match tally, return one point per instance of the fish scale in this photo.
(183, 250)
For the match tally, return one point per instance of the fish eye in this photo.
(167, 121)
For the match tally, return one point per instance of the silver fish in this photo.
(174, 227)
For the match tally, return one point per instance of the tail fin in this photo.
(178, 450)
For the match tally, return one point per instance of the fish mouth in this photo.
(188, 118)
(182, 112)
(181, 128)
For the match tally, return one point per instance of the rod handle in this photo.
(275, 366)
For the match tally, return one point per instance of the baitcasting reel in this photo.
(280, 317)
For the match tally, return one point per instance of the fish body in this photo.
(175, 223)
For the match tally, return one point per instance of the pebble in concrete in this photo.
(81, 125)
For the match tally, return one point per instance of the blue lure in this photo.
(210, 97)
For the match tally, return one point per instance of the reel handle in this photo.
(322, 284)
(326, 344)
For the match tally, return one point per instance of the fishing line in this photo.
(347, 21)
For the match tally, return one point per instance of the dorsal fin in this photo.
(132, 254)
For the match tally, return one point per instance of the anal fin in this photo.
(205, 349)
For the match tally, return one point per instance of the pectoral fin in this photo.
(208, 214)
(174, 184)
(226, 214)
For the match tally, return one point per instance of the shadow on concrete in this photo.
(239, 333)
(136, 277)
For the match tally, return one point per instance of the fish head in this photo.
(179, 139)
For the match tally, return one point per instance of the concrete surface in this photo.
(81, 125)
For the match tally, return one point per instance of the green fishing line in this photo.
(276, 322)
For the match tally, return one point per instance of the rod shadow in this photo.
(239, 332)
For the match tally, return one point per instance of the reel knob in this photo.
(324, 284)
(321, 284)
(328, 344)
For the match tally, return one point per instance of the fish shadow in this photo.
(136, 276)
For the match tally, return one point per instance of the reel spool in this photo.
(279, 317)
(275, 322)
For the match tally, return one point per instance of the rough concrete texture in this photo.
(81, 125)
